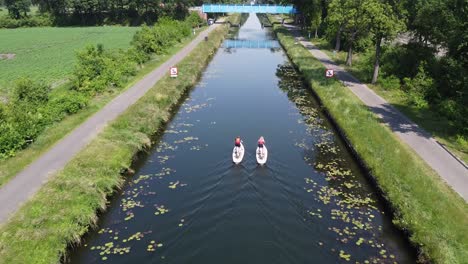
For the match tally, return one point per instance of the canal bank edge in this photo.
(67, 206)
(425, 208)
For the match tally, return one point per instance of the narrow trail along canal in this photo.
(188, 203)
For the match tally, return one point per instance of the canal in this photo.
(188, 203)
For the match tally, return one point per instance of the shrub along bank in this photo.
(63, 210)
(433, 215)
(26, 115)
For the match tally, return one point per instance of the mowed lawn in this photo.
(49, 53)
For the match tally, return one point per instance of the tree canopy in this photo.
(429, 61)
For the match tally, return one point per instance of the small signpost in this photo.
(329, 73)
(174, 72)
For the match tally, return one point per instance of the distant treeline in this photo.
(95, 12)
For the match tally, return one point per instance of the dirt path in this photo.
(26, 183)
(453, 171)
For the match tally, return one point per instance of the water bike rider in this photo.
(261, 143)
(237, 144)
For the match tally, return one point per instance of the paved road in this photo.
(453, 171)
(26, 183)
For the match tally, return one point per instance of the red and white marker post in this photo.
(329, 73)
(173, 72)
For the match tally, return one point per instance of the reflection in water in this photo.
(187, 202)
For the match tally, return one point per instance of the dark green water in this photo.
(188, 203)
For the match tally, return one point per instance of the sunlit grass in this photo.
(64, 208)
(435, 216)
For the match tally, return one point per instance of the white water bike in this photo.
(262, 155)
(238, 154)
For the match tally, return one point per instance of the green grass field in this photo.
(48, 53)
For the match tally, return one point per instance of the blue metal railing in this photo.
(267, 9)
(251, 44)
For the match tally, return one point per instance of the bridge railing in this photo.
(270, 9)
(251, 44)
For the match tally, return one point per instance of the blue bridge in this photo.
(251, 44)
(266, 9)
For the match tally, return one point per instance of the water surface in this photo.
(188, 203)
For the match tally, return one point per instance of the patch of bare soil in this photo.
(7, 56)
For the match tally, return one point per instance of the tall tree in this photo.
(337, 19)
(18, 8)
(384, 25)
(315, 21)
(356, 25)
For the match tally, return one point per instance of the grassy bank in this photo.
(433, 215)
(63, 210)
(13, 165)
(438, 125)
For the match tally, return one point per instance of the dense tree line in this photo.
(17, 8)
(85, 12)
(430, 61)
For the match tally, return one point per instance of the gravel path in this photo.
(26, 183)
(452, 170)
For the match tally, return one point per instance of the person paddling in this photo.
(261, 143)
(237, 142)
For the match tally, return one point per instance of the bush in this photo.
(403, 61)
(389, 83)
(43, 20)
(160, 37)
(144, 40)
(30, 110)
(96, 69)
(452, 78)
(64, 104)
(8, 22)
(137, 55)
(365, 65)
(419, 88)
(194, 20)
(10, 140)
(27, 91)
(449, 108)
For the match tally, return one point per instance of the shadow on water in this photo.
(188, 203)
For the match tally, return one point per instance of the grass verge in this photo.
(440, 127)
(10, 167)
(65, 208)
(424, 206)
